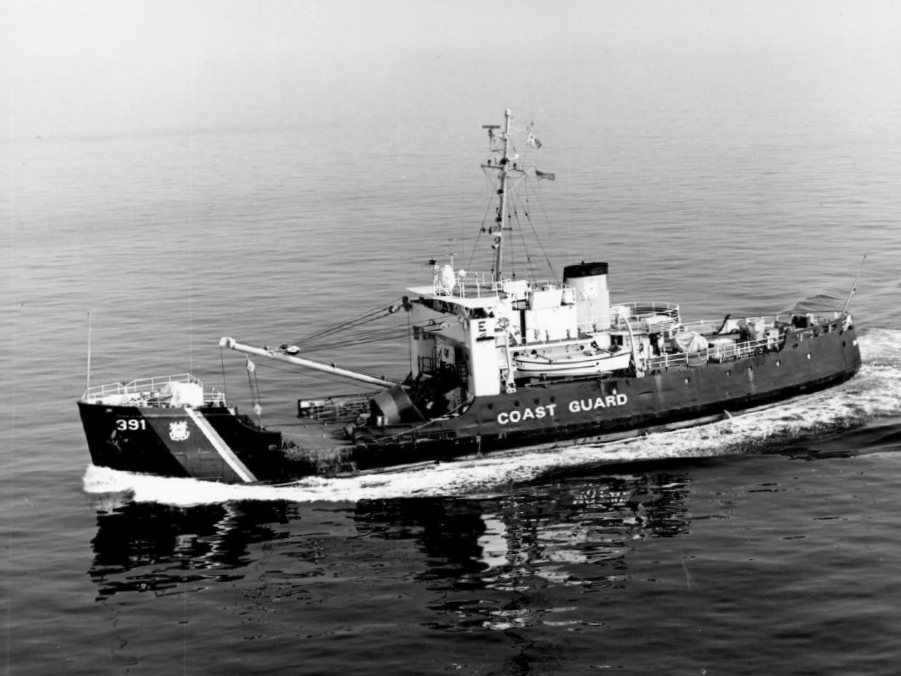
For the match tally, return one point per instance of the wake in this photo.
(873, 394)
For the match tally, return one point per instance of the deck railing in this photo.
(469, 285)
(800, 326)
(645, 309)
(341, 408)
(715, 353)
(641, 316)
(482, 285)
(148, 387)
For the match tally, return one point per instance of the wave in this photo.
(874, 395)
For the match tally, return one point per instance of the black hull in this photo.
(212, 443)
(139, 439)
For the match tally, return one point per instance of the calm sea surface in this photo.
(768, 544)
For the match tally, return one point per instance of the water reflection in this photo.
(491, 560)
(149, 547)
(491, 563)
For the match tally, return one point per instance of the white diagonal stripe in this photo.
(221, 447)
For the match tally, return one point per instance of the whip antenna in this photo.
(87, 385)
(854, 288)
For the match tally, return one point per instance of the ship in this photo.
(497, 364)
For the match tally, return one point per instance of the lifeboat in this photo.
(537, 365)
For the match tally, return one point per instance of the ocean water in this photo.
(764, 544)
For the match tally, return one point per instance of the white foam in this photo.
(874, 393)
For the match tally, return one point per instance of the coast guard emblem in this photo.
(178, 431)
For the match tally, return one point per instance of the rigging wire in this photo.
(514, 216)
(350, 332)
(222, 362)
(525, 245)
(524, 202)
(527, 214)
(541, 246)
(357, 320)
(254, 385)
(521, 231)
(493, 188)
(547, 220)
(357, 339)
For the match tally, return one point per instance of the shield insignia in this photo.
(178, 431)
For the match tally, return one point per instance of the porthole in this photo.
(778, 362)
(808, 355)
(687, 380)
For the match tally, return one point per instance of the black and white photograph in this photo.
(499, 338)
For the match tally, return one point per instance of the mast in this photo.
(510, 174)
(504, 168)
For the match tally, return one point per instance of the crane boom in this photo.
(232, 344)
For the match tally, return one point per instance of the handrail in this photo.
(708, 326)
(715, 353)
(636, 312)
(649, 308)
(476, 284)
(142, 384)
(149, 386)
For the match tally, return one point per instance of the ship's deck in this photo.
(310, 433)
(306, 432)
